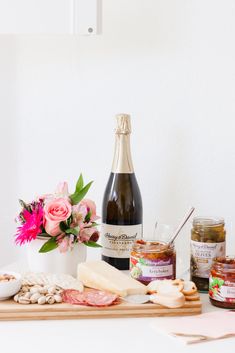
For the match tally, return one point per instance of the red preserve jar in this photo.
(151, 260)
(222, 282)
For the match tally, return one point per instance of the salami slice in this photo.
(100, 298)
(73, 296)
(89, 297)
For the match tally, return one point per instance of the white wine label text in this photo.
(117, 241)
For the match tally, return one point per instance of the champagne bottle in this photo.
(122, 204)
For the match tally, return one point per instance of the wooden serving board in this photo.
(9, 310)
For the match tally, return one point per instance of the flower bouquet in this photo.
(61, 219)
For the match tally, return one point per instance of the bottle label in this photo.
(221, 290)
(146, 270)
(117, 241)
(202, 255)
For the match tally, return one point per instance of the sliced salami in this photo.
(89, 297)
(73, 296)
(100, 298)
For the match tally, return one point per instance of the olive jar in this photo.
(207, 242)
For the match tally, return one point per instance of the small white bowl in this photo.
(10, 288)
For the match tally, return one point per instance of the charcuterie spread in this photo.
(101, 289)
(59, 226)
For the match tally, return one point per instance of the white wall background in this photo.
(171, 65)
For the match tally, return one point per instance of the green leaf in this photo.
(25, 206)
(88, 217)
(79, 184)
(69, 221)
(44, 235)
(63, 226)
(50, 245)
(94, 224)
(92, 244)
(78, 196)
(73, 231)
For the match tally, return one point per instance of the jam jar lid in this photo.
(226, 262)
(151, 246)
(208, 221)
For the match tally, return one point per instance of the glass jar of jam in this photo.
(151, 260)
(207, 242)
(222, 282)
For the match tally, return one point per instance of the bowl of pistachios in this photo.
(10, 284)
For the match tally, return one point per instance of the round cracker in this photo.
(192, 297)
(189, 288)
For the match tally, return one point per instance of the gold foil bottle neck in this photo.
(122, 162)
(123, 124)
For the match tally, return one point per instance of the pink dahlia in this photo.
(31, 226)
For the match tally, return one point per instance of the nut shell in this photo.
(23, 300)
(34, 297)
(16, 297)
(42, 300)
(50, 299)
(34, 290)
(58, 298)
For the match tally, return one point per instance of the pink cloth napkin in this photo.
(200, 328)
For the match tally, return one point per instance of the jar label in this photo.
(146, 270)
(220, 290)
(117, 241)
(202, 255)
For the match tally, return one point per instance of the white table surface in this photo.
(137, 335)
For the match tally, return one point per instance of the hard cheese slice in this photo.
(101, 275)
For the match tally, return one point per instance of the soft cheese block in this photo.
(101, 275)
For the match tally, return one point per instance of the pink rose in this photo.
(56, 211)
(91, 207)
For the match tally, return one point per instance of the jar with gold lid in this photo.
(222, 282)
(207, 242)
(151, 260)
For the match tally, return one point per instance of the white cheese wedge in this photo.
(101, 275)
